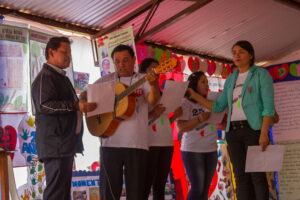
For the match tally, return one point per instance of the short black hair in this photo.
(248, 47)
(146, 63)
(122, 47)
(54, 44)
(193, 81)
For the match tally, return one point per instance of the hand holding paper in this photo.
(173, 94)
(104, 95)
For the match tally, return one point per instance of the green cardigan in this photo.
(257, 97)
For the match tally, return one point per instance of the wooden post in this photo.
(4, 176)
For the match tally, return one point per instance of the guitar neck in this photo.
(131, 89)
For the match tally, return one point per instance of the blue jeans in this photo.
(200, 168)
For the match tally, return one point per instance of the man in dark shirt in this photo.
(58, 119)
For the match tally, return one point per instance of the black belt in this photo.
(238, 124)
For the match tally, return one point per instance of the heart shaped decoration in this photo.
(193, 64)
(225, 70)
(283, 71)
(295, 69)
(211, 67)
(8, 138)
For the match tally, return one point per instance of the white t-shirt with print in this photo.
(132, 132)
(204, 137)
(237, 108)
(160, 131)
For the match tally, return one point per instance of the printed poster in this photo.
(107, 43)
(38, 42)
(81, 81)
(13, 68)
(85, 186)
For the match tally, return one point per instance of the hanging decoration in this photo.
(219, 67)
(225, 71)
(193, 64)
(211, 67)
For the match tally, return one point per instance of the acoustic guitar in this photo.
(104, 125)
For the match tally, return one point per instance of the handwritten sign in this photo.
(288, 108)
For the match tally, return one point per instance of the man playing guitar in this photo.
(127, 148)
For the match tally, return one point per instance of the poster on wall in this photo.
(26, 139)
(85, 185)
(106, 44)
(81, 81)
(36, 183)
(286, 77)
(37, 46)
(9, 138)
(13, 68)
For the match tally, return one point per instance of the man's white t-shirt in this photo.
(132, 132)
(160, 131)
(237, 108)
(204, 137)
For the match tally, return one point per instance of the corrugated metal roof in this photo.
(88, 12)
(271, 27)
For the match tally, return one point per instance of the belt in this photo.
(238, 124)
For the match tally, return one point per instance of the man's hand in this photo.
(152, 79)
(85, 107)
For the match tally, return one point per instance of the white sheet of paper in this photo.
(268, 161)
(215, 118)
(173, 93)
(104, 95)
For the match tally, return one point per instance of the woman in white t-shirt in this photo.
(160, 142)
(199, 140)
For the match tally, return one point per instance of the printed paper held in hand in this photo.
(269, 160)
(173, 93)
(104, 95)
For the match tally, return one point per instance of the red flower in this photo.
(249, 89)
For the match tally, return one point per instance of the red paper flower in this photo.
(100, 41)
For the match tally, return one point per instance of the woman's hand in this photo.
(158, 110)
(264, 140)
(190, 93)
(204, 116)
(178, 112)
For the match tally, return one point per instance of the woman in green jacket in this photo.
(249, 95)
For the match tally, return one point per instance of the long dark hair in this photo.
(248, 47)
(193, 81)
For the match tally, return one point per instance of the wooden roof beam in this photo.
(175, 18)
(48, 21)
(291, 3)
(126, 19)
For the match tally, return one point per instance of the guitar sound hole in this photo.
(99, 119)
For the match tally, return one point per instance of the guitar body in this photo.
(107, 123)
